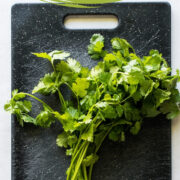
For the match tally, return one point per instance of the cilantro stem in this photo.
(118, 73)
(90, 171)
(85, 172)
(79, 140)
(81, 157)
(126, 99)
(34, 97)
(99, 145)
(77, 151)
(61, 99)
(97, 148)
(74, 94)
(74, 158)
(116, 103)
(98, 89)
(53, 67)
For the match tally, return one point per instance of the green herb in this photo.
(109, 100)
(80, 3)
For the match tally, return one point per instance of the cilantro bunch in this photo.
(109, 100)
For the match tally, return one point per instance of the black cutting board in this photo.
(39, 28)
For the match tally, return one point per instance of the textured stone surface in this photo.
(38, 28)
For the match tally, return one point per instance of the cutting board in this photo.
(40, 28)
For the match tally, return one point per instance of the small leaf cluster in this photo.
(110, 100)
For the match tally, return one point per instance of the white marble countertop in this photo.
(5, 74)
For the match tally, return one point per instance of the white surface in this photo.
(5, 74)
(91, 21)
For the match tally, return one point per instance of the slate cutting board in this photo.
(39, 28)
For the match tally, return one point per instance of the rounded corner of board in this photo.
(167, 4)
(14, 7)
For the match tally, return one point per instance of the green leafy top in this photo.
(111, 99)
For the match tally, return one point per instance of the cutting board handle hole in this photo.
(107, 21)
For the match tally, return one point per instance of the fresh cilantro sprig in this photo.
(111, 99)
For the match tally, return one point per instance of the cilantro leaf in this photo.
(146, 87)
(16, 95)
(58, 55)
(20, 109)
(63, 67)
(43, 55)
(62, 140)
(122, 45)
(119, 110)
(45, 119)
(68, 118)
(136, 128)
(171, 106)
(91, 159)
(52, 56)
(95, 49)
(28, 119)
(149, 109)
(117, 134)
(96, 71)
(74, 65)
(109, 112)
(66, 140)
(131, 113)
(152, 62)
(80, 87)
(46, 85)
(160, 96)
(88, 134)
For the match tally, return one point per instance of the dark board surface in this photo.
(39, 28)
